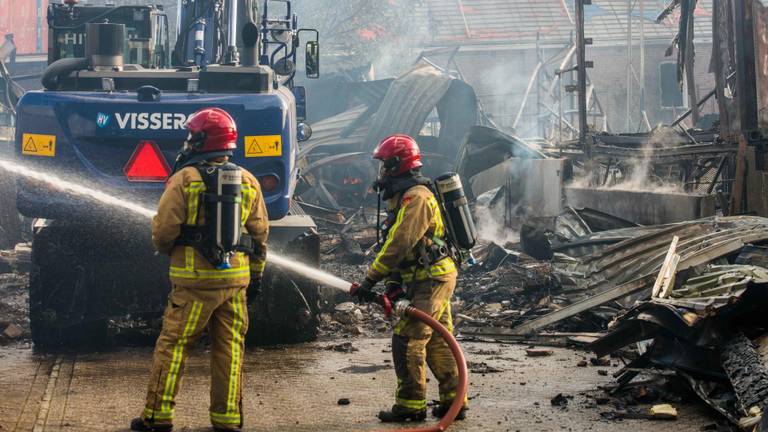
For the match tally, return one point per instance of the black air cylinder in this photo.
(104, 45)
(225, 209)
(461, 227)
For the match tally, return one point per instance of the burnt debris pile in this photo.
(684, 301)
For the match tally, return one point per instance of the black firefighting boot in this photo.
(138, 424)
(441, 410)
(399, 414)
(223, 429)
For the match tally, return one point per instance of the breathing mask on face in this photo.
(385, 179)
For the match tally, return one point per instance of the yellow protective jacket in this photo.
(418, 220)
(180, 205)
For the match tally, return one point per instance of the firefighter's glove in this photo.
(364, 291)
(254, 288)
(394, 290)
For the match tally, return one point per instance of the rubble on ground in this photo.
(596, 291)
(14, 307)
(709, 333)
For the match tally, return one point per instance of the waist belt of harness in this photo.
(199, 238)
(223, 198)
(429, 255)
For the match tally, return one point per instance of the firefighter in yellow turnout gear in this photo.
(204, 294)
(411, 256)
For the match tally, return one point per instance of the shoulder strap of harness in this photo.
(199, 236)
(431, 249)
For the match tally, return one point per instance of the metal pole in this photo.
(39, 29)
(745, 66)
(642, 62)
(540, 60)
(629, 65)
(581, 76)
(560, 108)
(232, 55)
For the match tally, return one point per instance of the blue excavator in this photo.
(111, 117)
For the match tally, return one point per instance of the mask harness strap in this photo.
(378, 218)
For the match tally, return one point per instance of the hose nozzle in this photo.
(353, 288)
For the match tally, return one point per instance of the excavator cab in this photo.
(147, 41)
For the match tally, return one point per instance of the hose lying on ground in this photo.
(461, 364)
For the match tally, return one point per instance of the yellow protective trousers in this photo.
(415, 345)
(189, 312)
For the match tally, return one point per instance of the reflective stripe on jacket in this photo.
(418, 217)
(180, 204)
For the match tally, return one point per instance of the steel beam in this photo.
(581, 76)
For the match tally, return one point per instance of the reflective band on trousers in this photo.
(234, 367)
(413, 404)
(178, 355)
(158, 414)
(448, 397)
(227, 419)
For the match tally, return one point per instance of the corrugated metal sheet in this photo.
(519, 22)
(25, 19)
(407, 103)
(404, 108)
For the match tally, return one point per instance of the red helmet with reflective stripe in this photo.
(399, 153)
(211, 130)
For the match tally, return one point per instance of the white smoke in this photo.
(641, 177)
(490, 219)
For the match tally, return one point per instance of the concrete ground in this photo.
(296, 388)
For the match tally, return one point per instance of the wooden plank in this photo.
(663, 270)
(669, 277)
(737, 192)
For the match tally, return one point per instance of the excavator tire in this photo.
(287, 311)
(57, 297)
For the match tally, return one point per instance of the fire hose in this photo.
(403, 308)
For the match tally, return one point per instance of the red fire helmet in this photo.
(399, 153)
(211, 130)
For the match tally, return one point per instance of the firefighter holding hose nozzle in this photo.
(213, 222)
(417, 264)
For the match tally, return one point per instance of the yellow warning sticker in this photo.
(38, 145)
(263, 145)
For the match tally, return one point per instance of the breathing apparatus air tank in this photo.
(223, 211)
(461, 227)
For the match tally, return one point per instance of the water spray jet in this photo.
(402, 308)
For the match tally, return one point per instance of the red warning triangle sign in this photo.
(147, 164)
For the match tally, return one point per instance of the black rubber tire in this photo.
(285, 312)
(747, 372)
(54, 299)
